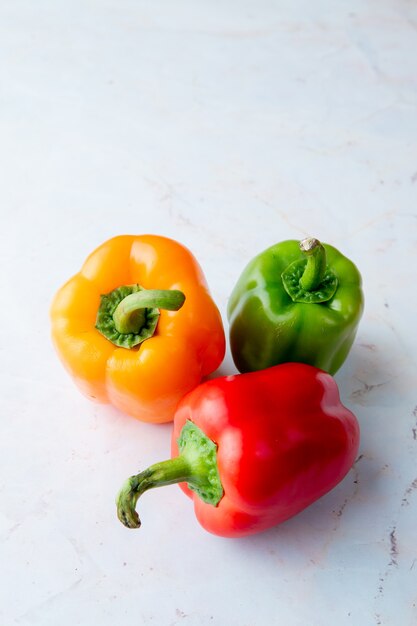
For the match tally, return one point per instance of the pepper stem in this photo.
(316, 263)
(196, 465)
(130, 314)
(310, 281)
(164, 473)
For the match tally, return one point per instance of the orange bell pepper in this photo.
(139, 349)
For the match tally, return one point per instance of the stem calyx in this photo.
(310, 280)
(129, 314)
(196, 465)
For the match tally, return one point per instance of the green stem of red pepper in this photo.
(157, 475)
(196, 465)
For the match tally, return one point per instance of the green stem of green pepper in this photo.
(316, 263)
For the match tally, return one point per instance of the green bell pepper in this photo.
(298, 302)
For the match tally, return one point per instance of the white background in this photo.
(228, 126)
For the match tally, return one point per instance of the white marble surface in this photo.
(228, 126)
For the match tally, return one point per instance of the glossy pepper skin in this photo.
(282, 440)
(147, 380)
(268, 327)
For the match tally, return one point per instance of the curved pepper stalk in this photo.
(196, 465)
(129, 314)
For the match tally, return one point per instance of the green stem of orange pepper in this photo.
(130, 313)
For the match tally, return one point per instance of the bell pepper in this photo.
(252, 450)
(297, 302)
(136, 327)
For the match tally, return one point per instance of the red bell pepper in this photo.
(252, 450)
